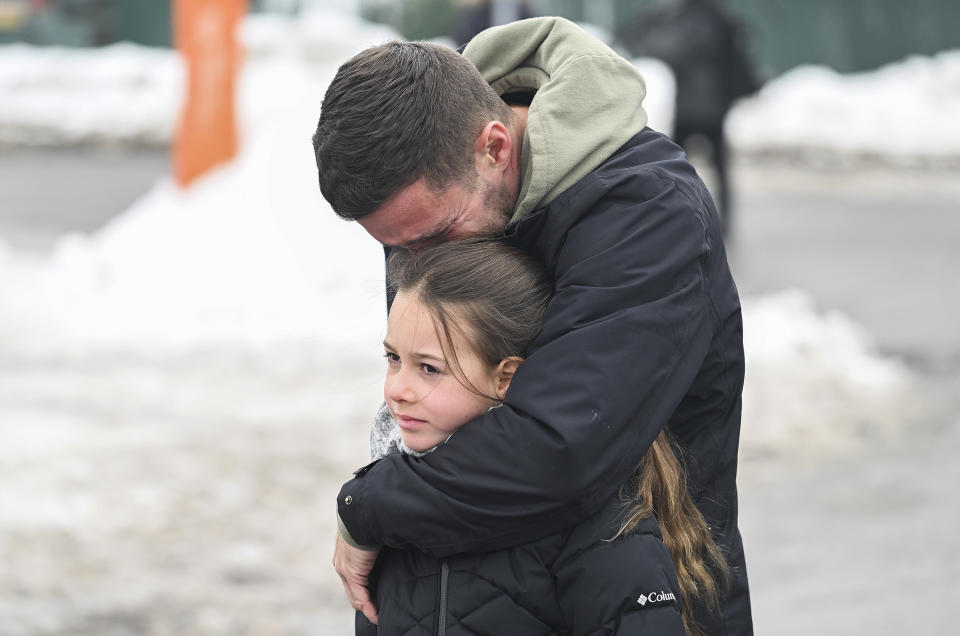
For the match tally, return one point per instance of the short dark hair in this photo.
(395, 113)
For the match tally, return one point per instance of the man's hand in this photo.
(354, 565)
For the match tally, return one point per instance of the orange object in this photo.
(205, 33)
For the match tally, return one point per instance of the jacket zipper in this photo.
(442, 610)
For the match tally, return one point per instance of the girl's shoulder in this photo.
(602, 530)
(609, 579)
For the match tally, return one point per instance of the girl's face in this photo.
(426, 393)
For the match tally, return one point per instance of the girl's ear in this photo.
(503, 374)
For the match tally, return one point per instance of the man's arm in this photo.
(622, 342)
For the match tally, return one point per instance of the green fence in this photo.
(92, 23)
(848, 35)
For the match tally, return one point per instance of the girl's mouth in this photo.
(409, 423)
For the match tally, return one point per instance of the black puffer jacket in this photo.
(573, 583)
(644, 332)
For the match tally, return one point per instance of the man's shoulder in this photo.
(648, 174)
(649, 156)
(604, 530)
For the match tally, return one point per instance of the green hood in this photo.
(587, 102)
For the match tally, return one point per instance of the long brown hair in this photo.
(659, 487)
(496, 296)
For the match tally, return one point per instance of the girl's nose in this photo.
(398, 388)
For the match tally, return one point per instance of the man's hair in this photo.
(395, 113)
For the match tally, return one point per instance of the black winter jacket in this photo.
(644, 332)
(576, 582)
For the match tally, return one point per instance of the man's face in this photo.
(418, 216)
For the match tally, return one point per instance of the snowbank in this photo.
(120, 93)
(126, 93)
(813, 380)
(903, 113)
(252, 255)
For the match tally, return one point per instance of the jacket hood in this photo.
(587, 100)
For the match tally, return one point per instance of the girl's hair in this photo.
(496, 295)
(659, 487)
(491, 292)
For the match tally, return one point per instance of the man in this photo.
(644, 330)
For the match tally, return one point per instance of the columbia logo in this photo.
(655, 597)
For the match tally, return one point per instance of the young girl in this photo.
(463, 317)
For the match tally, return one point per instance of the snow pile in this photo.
(902, 112)
(814, 381)
(251, 256)
(122, 92)
(126, 93)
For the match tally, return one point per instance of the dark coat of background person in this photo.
(576, 582)
(674, 317)
(705, 47)
(470, 18)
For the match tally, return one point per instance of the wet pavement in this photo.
(878, 244)
(46, 192)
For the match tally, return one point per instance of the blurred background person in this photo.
(473, 16)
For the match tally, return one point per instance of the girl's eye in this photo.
(430, 369)
(392, 358)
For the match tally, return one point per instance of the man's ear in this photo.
(504, 374)
(493, 148)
